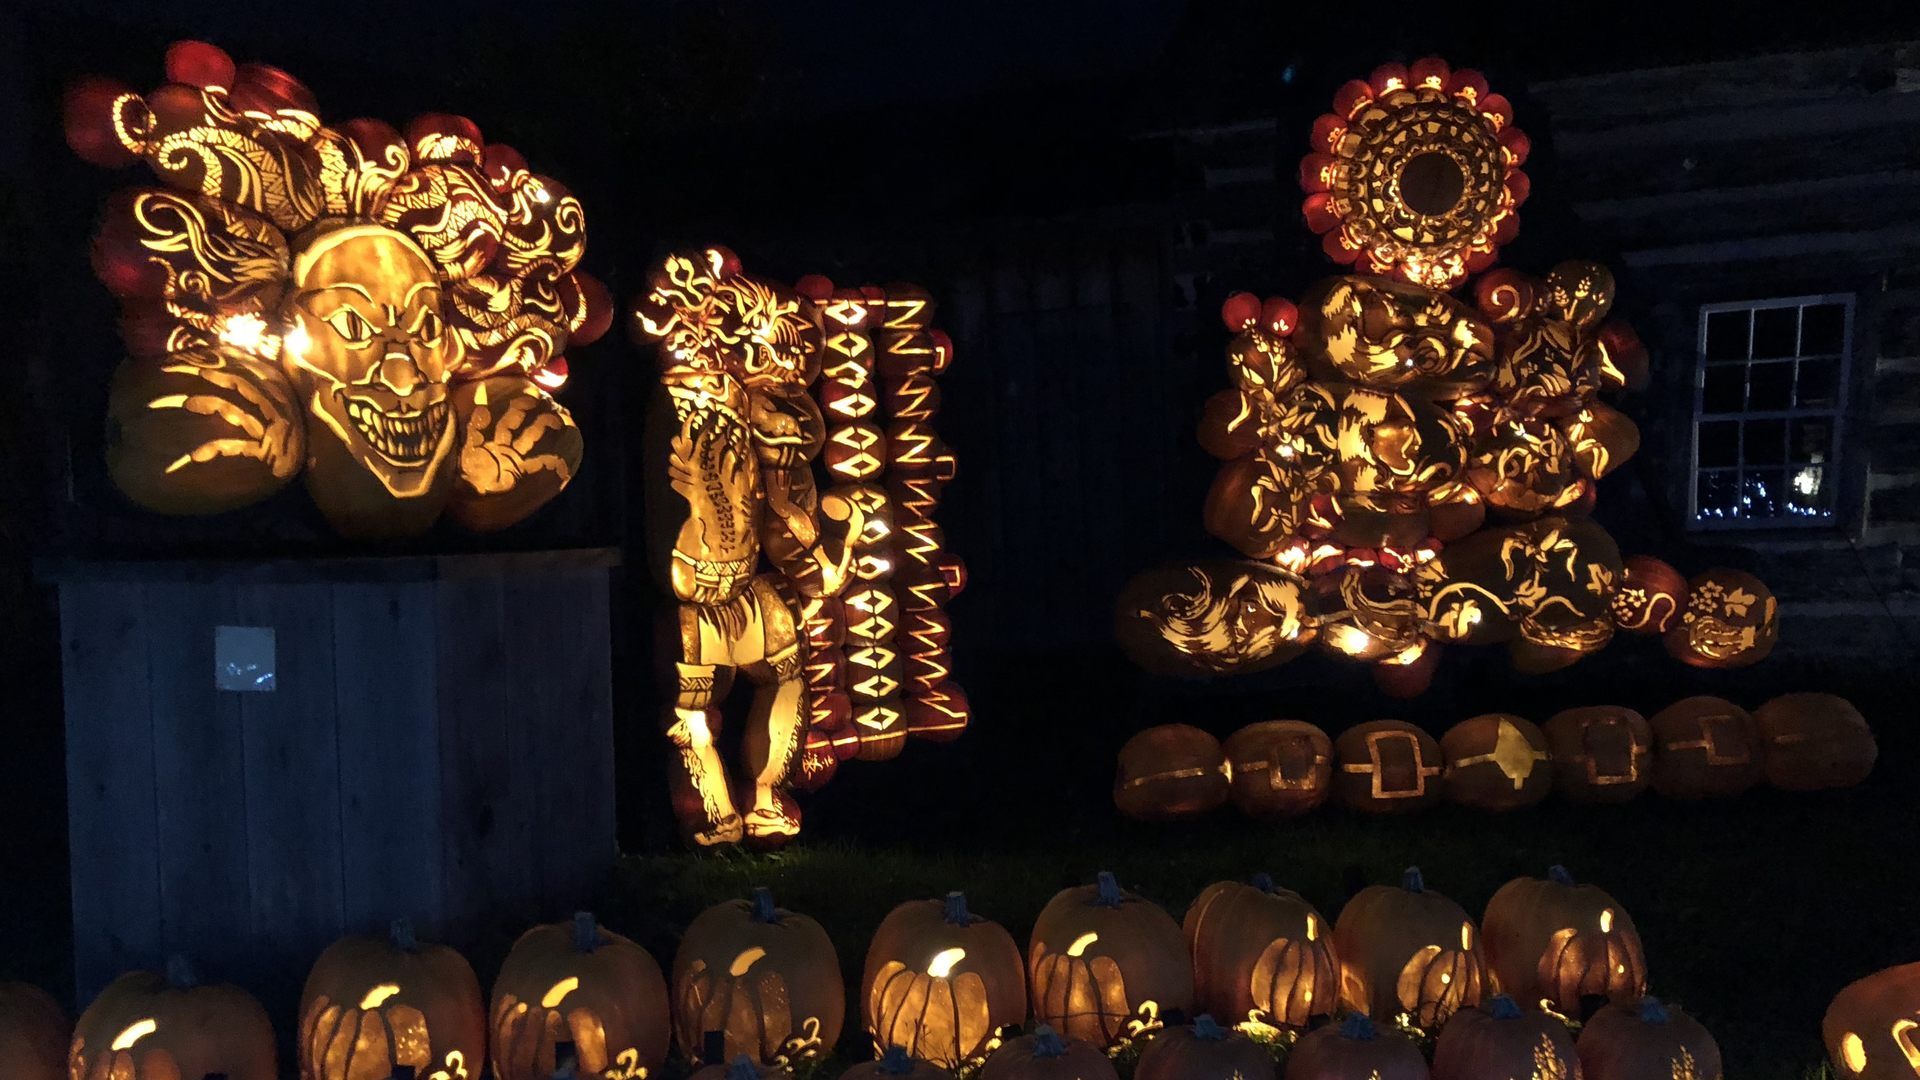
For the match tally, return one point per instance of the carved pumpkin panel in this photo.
(1601, 753)
(1262, 953)
(1170, 772)
(766, 978)
(1214, 618)
(145, 1026)
(1497, 762)
(1872, 1028)
(374, 1003)
(1279, 768)
(1814, 742)
(580, 983)
(1731, 620)
(1704, 747)
(1553, 941)
(1405, 949)
(1650, 597)
(1103, 962)
(1387, 767)
(940, 982)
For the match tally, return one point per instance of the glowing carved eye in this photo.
(135, 1031)
(558, 992)
(943, 961)
(1079, 946)
(1466, 936)
(745, 961)
(1313, 928)
(352, 326)
(1606, 921)
(378, 996)
(428, 327)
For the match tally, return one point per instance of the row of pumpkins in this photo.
(940, 987)
(1698, 747)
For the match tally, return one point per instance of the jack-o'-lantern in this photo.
(940, 982)
(147, 1026)
(1355, 1048)
(1524, 468)
(896, 1064)
(1045, 1055)
(1496, 762)
(1814, 742)
(146, 446)
(1103, 962)
(578, 982)
(1602, 438)
(1647, 1040)
(1553, 941)
(1368, 613)
(1387, 767)
(374, 1003)
(1262, 953)
(767, 979)
(1213, 618)
(1649, 597)
(1731, 620)
(1390, 335)
(33, 1034)
(1203, 1050)
(1704, 747)
(1872, 1028)
(1500, 1040)
(743, 1068)
(1601, 753)
(1170, 772)
(1280, 768)
(1405, 949)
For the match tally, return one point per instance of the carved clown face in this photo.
(369, 349)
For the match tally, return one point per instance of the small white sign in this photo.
(243, 658)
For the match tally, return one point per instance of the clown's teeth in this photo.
(404, 438)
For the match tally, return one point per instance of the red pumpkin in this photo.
(1497, 762)
(1280, 768)
(146, 1026)
(1044, 1055)
(766, 978)
(1647, 1040)
(1601, 753)
(33, 1034)
(1203, 1051)
(1100, 957)
(1387, 767)
(577, 982)
(1814, 742)
(1262, 952)
(1499, 1040)
(1556, 942)
(1170, 772)
(1704, 747)
(1872, 1029)
(1355, 1049)
(1405, 949)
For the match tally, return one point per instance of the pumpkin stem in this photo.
(1503, 1007)
(1047, 1043)
(742, 1069)
(180, 973)
(1205, 1027)
(1412, 880)
(1359, 1027)
(1108, 890)
(400, 935)
(1652, 1011)
(895, 1062)
(955, 909)
(1559, 876)
(586, 932)
(1262, 881)
(763, 909)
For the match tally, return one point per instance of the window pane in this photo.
(1766, 443)
(1810, 495)
(1822, 328)
(1770, 386)
(1776, 332)
(1719, 444)
(1762, 494)
(1819, 384)
(1811, 439)
(1727, 335)
(1726, 389)
(1717, 494)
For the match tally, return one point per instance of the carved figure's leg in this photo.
(779, 718)
(701, 799)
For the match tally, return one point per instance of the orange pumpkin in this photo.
(1044, 1055)
(1814, 742)
(146, 1026)
(1872, 1029)
(1647, 1040)
(1649, 597)
(211, 397)
(767, 979)
(1704, 747)
(1355, 1048)
(1100, 957)
(1499, 1040)
(1601, 753)
(1280, 768)
(577, 982)
(1387, 767)
(375, 1003)
(895, 1064)
(743, 1068)
(33, 1034)
(1731, 620)
(940, 982)
(1170, 772)
(1555, 941)
(1261, 952)
(1405, 949)
(1497, 762)
(1203, 1051)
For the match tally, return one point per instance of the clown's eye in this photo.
(352, 326)
(428, 327)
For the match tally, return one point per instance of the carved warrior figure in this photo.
(842, 630)
(384, 313)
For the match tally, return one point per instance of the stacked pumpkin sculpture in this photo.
(1406, 469)
(382, 312)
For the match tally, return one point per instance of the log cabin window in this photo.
(1769, 390)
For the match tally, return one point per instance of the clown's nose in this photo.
(400, 374)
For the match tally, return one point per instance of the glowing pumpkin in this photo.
(1555, 941)
(1872, 1029)
(1203, 1051)
(1355, 1048)
(1731, 620)
(375, 1003)
(577, 982)
(1262, 952)
(33, 1034)
(1647, 1040)
(1213, 618)
(1044, 1055)
(940, 982)
(146, 1026)
(895, 1064)
(1101, 957)
(1387, 767)
(1405, 949)
(1170, 772)
(1279, 768)
(1601, 753)
(1814, 742)
(1649, 597)
(767, 979)
(1498, 1039)
(1704, 747)
(1497, 762)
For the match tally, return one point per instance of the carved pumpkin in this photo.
(1100, 957)
(1170, 772)
(1355, 1048)
(33, 1034)
(1556, 942)
(1731, 620)
(375, 1003)
(1647, 1040)
(1387, 767)
(743, 1068)
(1650, 596)
(151, 439)
(1280, 768)
(146, 1026)
(1814, 742)
(895, 1064)
(1213, 618)
(1602, 437)
(1872, 1029)
(576, 982)
(1704, 747)
(1405, 949)
(1203, 1051)
(1044, 1055)
(1499, 1040)
(1497, 762)
(940, 982)
(1601, 753)
(1258, 949)
(764, 977)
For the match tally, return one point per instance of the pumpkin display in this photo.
(1102, 957)
(1601, 753)
(1261, 953)
(1213, 618)
(1353, 1049)
(1387, 767)
(148, 1026)
(1500, 1041)
(940, 982)
(1203, 1051)
(1045, 1055)
(1279, 768)
(765, 978)
(896, 1064)
(1872, 1028)
(1496, 762)
(743, 1068)
(1704, 747)
(1647, 1040)
(1649, 597)
(1731, 621)
(1814, 742)
(33, 1034)
(1405, 949)
(581, 983)
(1170, 772)
(1554, 941)
(378, 1002)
